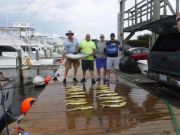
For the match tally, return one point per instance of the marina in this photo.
(143, 113)
(131, 86)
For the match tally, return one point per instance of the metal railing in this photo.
(143, 13)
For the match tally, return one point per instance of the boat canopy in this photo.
(7, 49)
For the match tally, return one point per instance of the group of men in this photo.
(104, 53)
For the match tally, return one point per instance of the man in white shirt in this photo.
(70, 46)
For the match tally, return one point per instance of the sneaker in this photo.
(75, 80)
(64, 81)
(104, 80)
(98, 79)
(83, 80)
(107, 80)
(117, 81)
(93, 81)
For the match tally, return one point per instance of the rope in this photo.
(29, 4)
(37, 10)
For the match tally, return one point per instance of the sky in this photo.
(56, 17)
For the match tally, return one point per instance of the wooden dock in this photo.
(144, 114)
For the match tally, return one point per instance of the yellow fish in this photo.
(80, 108)
(72, 90)
(108, 98)
(108, 94)
(75, 96)
(76, 103)
(104, 92)
(112, 101)
(76, 93)
(115, 105)
(76, 100)
(100, 88)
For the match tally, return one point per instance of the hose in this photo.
(171, 113)
(173, 118)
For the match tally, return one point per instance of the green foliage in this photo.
(142, 41)
(144, 37)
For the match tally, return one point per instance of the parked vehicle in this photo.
(128, 63)
(164, 58)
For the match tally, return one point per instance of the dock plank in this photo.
(144, 114)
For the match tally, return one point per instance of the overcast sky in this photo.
(58, 16)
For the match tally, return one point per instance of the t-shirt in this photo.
(100, 49)
(87, 48)
(70, 47)
(116, 45)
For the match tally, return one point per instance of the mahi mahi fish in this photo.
(108, 98)
(75, 96)
(107, 94)
(115, 105)
(80, 108)
(76, 93)
(112, 101)
(76, 100)
(76, 103)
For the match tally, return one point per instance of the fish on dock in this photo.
(109, 98)
(80, 108)
(107, 94)
(114, 105)
(76, 103)
(112, 101)
(75, 96)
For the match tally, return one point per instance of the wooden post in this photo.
(177, 6)
(37, 59)
(156, 16)
(50, 53)
(21, 77)
(45, 53)
(122, 8)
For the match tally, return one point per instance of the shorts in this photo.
(70, 62)
(112, 62)
(101, 63)
(88, 65)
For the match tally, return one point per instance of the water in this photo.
(19, 94)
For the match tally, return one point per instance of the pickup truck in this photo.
(164, 56)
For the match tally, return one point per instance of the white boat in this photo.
(143, 66)
(6, 96)
(11, 40)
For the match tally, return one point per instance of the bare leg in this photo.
(75, 72)
(99, 73)
(117, 74)
(104, 73)
(108, 74)
(66, 73)
(84, 73)
(92, 74)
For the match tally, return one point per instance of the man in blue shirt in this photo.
(70, 46)
(112, 53)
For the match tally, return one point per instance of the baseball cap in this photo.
(112, 34)
(101, 35)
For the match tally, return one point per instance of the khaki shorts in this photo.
(112, 63)
(69, 62)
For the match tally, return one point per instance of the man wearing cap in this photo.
(112, 53)
(88, 47)
(101, 58)
(70, 46)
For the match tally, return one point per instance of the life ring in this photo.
(26, 105)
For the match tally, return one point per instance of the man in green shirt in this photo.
(88, 47)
